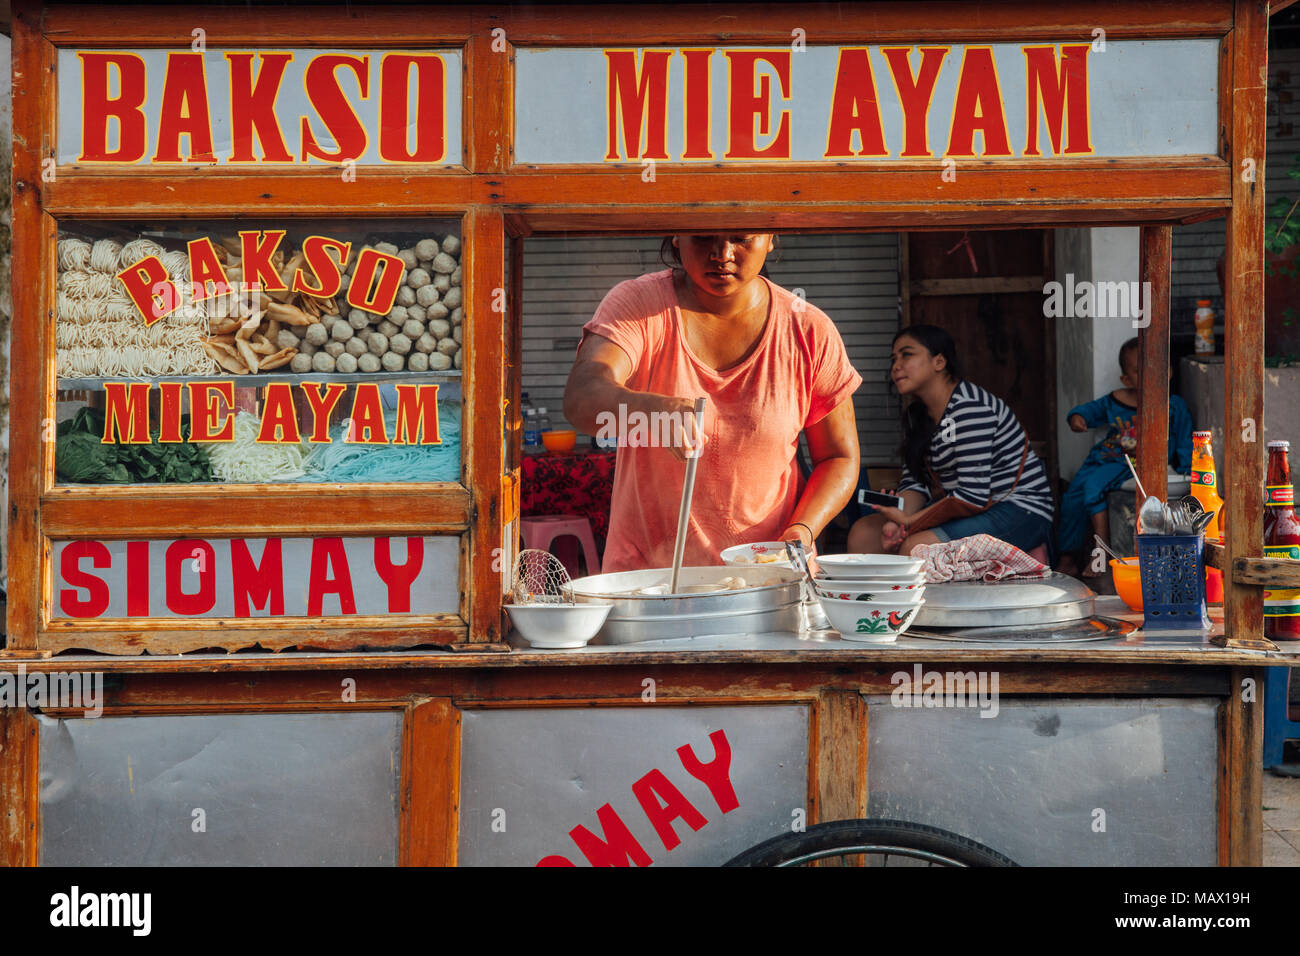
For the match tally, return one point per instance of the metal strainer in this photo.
(540, 578)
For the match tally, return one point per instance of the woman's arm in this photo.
(596, 388)
(833, 444)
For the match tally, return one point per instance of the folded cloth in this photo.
(981, 557)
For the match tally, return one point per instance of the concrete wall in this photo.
(1087, 349)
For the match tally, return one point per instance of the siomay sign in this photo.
(259, 107)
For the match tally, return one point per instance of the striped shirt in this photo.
(976, 451)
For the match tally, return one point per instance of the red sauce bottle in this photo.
(1281, 540)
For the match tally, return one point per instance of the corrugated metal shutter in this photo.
(853, 278)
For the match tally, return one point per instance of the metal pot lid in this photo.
(1013, 594)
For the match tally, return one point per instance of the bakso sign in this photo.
(259, 107)
(859, 103)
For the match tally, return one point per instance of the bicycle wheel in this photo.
(871, 843)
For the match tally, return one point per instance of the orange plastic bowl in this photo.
(1128, 582)
(561, 441)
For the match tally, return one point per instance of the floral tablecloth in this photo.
(575, 484)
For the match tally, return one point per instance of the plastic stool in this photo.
(542, 532)
(1278, 725)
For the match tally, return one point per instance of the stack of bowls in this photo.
(870, 597)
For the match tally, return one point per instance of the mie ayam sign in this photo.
(259, 107)
(852, 103)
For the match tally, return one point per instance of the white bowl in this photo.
(867, 591)
(866, 584)
(869, 565)
(747, 555)
(870, 622)
(558, 625)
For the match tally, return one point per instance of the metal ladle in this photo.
(1152, 516)
(1102, 544)
(688, 491)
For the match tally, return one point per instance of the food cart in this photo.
(303, 663)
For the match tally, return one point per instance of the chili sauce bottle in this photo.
(1281, 540)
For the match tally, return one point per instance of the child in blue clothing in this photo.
(1084, 506)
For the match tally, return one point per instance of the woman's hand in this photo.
(687, 434)
(892, 535)
(799, 532)
(892, 515)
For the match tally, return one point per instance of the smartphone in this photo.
(876, 498)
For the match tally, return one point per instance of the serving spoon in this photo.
(688, 491)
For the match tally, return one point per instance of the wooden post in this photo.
(431, 784)
(30, 459)
(841, 756)
(1243, 336)
(1240, 783)
(1153, 363)
(19, 807)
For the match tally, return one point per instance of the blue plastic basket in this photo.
(1173, 581)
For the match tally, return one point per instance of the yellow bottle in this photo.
(1205, 485)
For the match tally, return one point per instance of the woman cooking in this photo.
(967, 466)
(771, 366)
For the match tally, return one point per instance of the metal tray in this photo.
(1095, 628)
(771, 604)
(1054, 599)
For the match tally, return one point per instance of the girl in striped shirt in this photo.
(959, 442)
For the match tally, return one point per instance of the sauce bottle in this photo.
(1205, 482)
(1205, 489)
(1281, 540)
(1204, 327)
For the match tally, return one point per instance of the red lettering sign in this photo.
(279, 416)
(399, 577)
(98, 108)
(330, 575)
(335, 109)
(637, 104)
(978, 106)
(915, 93)
(854, 109)
(184, 111)
(150, 287)
(326, 269)
(748, 104)
(1059, 88)
(261, 585)
(417, 415)
(126, 413)
(698, 103)
(199, 556)
(395, 121)
(252, 108)
(96, 601)
(209, 420)
(376, 281)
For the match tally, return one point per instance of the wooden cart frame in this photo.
(500, 202)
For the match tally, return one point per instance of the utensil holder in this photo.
(1173, 581)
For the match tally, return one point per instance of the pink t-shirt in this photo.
(747, 481)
